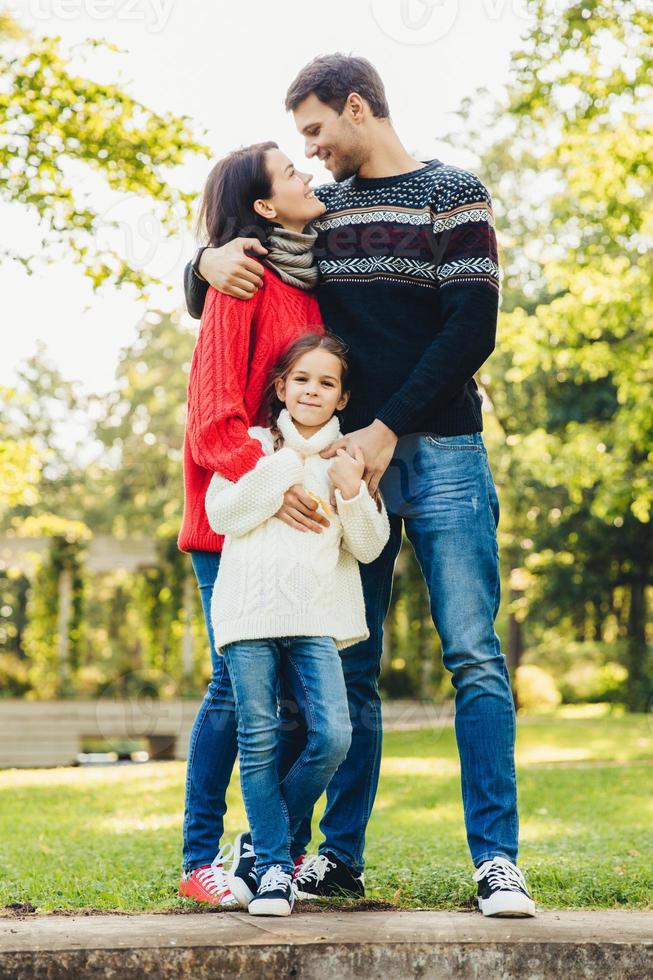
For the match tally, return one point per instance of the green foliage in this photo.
(48, 675)
(571, 428)
(583, 84)
(14, 676)
(587, 682)
(20, 465)
(141, 425)
(159, 594)
(122, 477)
(52, 121)
(536, 690)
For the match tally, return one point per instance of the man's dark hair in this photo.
(333, 77)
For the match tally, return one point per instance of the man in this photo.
(409, 279)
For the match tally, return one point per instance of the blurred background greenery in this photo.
(568, 157)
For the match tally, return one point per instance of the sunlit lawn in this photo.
(110, 837)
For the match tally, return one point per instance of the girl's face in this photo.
(312, 391)
(292, 204)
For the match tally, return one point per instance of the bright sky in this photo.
(228, 66)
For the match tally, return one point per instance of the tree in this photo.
(567, 385)
(121, 476)
(53, 121)
(141, 426)
(20, 465)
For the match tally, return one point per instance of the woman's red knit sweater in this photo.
(238, 344)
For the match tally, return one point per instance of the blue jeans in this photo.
(313, 672)
(212, 747)
(441, 490)
(213, 744)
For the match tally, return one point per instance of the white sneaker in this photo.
(502, 889)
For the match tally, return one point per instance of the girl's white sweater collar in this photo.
(329, 432)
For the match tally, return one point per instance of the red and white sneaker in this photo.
(210, 883)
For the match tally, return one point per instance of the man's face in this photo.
(335, 139)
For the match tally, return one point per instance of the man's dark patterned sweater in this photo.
(410, 281)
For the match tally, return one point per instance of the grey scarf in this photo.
(290, 254)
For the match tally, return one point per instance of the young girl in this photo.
(286, 601)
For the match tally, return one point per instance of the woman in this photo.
(253, 192)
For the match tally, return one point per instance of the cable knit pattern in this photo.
(238, 344)
(311, 585)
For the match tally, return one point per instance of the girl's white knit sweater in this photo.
(274, 580)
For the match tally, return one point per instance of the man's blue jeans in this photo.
(313, 673)
(441, 490)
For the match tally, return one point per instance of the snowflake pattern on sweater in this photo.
(434, 227)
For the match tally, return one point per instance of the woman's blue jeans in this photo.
(212, 747)
(441, 490)
(313, 675)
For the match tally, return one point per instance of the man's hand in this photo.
(230, 271)
(377, 443)
(298, 510)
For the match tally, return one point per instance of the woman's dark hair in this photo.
(333, 77)
(236, 181)
(287, 361)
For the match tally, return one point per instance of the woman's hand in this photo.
(346, 472)
(298, 510)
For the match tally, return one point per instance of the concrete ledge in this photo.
(329, 946)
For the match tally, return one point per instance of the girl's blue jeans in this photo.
(314, 681)
(441, 491)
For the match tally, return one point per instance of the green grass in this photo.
(110, 838)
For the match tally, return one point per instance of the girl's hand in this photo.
(346, 472)
(378, 444)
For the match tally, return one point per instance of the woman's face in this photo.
(312, 391)
(292, 204)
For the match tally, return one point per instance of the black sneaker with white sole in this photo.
(326, 876)
(502, 890)
(243, 882)
(275, 894)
